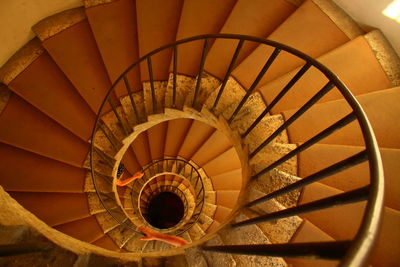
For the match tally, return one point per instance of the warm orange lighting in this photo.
(393, 10)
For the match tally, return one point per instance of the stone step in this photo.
(320, 156)
(115, 31)
(279, 231)
(24, 171)
(196, 232)
(74, 206)
(251, 234)
(377, 105)
(19, 117)
(370, 54)
(135, 112)
(274, 180)
(272, 153)
(328, 22)
(271, 13)
(215, 258)
(26, 73)
(81, 63)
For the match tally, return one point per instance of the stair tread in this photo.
(81, 63)
(321, 156)
(376, 105)
(352, 62)
(271, 13)
(114, 29)
(248, 235)
(295, 32)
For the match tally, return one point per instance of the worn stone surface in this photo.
(195, 258)
(20, 61)
(100, 164)
(95, 205)
(218, 259)
(102, 184)
(196, 232)
(186, 236)
(52, 25)
(272, 153)
(210, 197)
(209, 209)
(250, 234)
(91, 3)
(344, 22)
(184, 85)
(159, 93)
(98, 260)
(102, 142)
(204, 221)
(116, 124)
(208, 84)
(229, 100)
(129, 111)
(121, 234)
(176, 261)
(106, 222)
(275, 180)
(134, 243)
(253, 107)
(279, 231)
(385, 54)
(264, 129)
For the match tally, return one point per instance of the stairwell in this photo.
(63, 134)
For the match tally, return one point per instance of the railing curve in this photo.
(358, 249)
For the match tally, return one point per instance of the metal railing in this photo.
(350, 252)
(173, 166)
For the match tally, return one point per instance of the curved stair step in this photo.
(368, 55)
(279, 231)
(46, 137)
(377, 105)
(115, 31)
(304, 28)
(176, 132)
(248, 235)
(32, 74)
(107, 243)
(321, 156)
(82, 62)
(157, 24)
(215, 258)
(271, 13)
(79, 229)
(36, 173)
(310, 233)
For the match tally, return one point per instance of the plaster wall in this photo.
(369, 13)
(18, 16)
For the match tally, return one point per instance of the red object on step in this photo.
(124, 182)
(169, 239)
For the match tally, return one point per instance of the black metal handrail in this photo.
(356, 253)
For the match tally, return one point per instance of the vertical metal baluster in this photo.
(278, 97)
(114, 109)
(174, 76)
(339, 124)
(255, 83)
(129, 89)
(153, 91)
(228, 72)
(201, 69)
(295, 116)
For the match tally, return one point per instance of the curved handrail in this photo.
(366, 235)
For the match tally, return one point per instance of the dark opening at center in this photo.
(165, 210)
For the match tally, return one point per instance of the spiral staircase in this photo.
(268, 150)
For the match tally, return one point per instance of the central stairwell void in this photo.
(252, 151)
